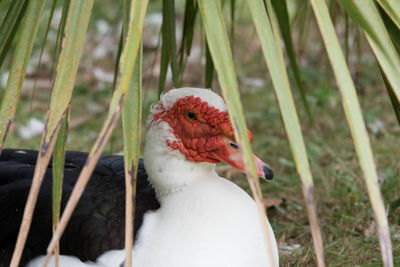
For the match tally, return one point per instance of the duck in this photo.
(186, 214)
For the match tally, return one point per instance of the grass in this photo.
(343, 207)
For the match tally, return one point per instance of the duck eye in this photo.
(234, 146)
(190, 116)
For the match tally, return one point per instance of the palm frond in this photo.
(357, 126)
(218, 43)
(267, 29)
(128, 59)
(9, 26)
(67, 67)
(20, 61)
(284, 25)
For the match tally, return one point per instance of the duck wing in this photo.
(98, 222)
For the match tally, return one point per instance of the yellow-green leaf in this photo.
(392, 8)
(58, 175)
(19, 64)
(131, 123)
(284, 25)
(378, 37)
(209, 68)
(218, 42)
(9, 26)
(357, 126)
(67, 66)
(60, 31)
(267, 29)
(128, 59)
(168, 32)
(191, 11)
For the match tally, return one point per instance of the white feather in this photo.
(204, 220)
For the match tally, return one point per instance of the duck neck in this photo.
(168, 170)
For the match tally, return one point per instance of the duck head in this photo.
(188, 132)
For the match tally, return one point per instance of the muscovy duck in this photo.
(193, 217)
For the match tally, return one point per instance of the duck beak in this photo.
(231, 153)
(263, 170)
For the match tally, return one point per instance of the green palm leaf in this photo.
(10, 25)
(370, 21)
(356, 123)
(128, 59)
(168, 49)
(58, 175)
(67, 66)
(284, 25)
(392, 8)
(131, 122)
(19, 64)
(273, 19)
(209, 68)
(191, 11)
(267, 30)
(218, 42)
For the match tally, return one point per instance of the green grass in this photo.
(343, 206)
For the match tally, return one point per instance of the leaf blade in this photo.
(187, 33)
(58, 176)
(18, 68)
(218, 42)
(284, 25)
(209, 68)
(67, 66)
(131, 123)
(169, 34)
(165, 55)
(267, 30)
(356, 123)
(131, 126)
(9, 26)
(128, 59)
(368, 18)
(392, 8)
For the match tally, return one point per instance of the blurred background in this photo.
(346, 218)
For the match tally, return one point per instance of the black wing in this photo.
(97, 224)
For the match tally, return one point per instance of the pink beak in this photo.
(229, 152)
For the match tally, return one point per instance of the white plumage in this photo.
(204, 220)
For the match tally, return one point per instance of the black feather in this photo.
(98, 223)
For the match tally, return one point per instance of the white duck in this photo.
(204, 220)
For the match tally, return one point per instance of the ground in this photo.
(345, 214)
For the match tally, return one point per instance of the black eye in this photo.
(190, 116)
(234, 146)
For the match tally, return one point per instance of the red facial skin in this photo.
(206, 137)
